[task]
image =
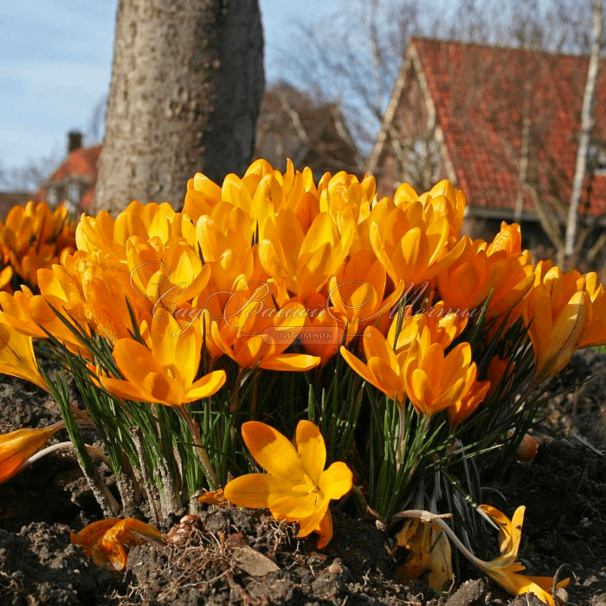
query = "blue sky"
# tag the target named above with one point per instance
(56, 65)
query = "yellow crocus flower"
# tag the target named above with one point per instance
(384, 367)
(165, 372)
(303, 261)
(296, 486)
(557, 311)
(435, 380)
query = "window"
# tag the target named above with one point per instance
(52, 197)
(73, 194)
(423, 168)
(596, 158)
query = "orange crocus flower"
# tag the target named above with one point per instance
(557, 311)
(296, 488)
(165, 372)
(303, 261)
(108, 541)
(468, 281)
(384, 367)
(18, 446)
(435, 380)
(465, 407)
(409, 241)
(255, 332)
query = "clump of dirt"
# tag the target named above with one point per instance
(576, 406)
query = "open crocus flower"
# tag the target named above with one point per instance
(387, 359)
(164, 373)
(255, 332)
(435, 380)
(303, 261)
(296, 488)
(504, 569)
(411, 242)
(384, 366)
(18, 446)
(357, 293)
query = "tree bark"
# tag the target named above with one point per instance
(587, 121)
(187, 82)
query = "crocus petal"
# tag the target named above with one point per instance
(311, 448)
(385, 377)
(325, 530)
(336, 481)
(359, 367)
(125, 390)
(293, 362)
(134, 360)
(274, 452)
(253, 490)
(206, 386)
(518, 584)
(294, 508)
(17, 356)
(376, 346)
(313, 522)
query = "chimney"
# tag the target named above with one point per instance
(74, 141)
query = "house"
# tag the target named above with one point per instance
(502, 124)
(290, 125)
(73, 183)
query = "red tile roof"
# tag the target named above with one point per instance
(80, 164)
(479, 94)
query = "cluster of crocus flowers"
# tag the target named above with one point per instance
(32, 236)
(184, 326)
(412, 363)
(330, 257)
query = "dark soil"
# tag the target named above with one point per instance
(233, 556)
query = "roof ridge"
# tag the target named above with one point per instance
(497, 46)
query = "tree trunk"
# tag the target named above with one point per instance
(585, 136)
(187, 81)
